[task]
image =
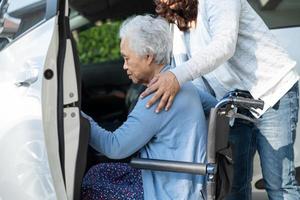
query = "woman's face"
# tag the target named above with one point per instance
(137, 68)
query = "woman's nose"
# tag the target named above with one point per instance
(125, 66)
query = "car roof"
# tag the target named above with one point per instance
(95, 10)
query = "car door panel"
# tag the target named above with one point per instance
(70, 79)
(50, 114)
(71, 130)
(24, 168)
(66, 104)
(40, 80)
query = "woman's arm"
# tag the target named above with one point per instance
(135, 133)
(223, 25)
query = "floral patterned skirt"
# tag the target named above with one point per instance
(112, 181)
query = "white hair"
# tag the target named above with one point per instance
(147, 35)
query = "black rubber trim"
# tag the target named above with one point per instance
(81, 161)
(60, 67)
(82, 151)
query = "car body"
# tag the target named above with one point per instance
(32, 104)
(43, 138)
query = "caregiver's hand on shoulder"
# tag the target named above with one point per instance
(165, 86)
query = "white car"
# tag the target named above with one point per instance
(43, 138)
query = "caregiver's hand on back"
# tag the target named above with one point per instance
(165, 86)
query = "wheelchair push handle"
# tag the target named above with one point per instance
(241, 102)
(250, 103)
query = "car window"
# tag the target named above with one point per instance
(17, 16)
(278, 13)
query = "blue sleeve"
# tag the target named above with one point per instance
(141, 125)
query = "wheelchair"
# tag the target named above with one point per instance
(218, 169)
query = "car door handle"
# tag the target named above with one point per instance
(28, 74)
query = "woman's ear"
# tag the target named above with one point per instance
(150, 59)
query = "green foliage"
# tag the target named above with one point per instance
(99, 43)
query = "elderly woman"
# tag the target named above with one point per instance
(179, 134)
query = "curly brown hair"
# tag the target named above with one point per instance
(184, 12)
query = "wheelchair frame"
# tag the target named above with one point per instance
(218, 128)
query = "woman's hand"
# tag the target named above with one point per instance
(166, 87)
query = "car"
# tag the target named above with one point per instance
(43, 138)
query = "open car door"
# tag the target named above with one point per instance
(40, 121)
(66, 132)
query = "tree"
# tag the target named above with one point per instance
(99, 43)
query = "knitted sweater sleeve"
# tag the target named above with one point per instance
(223, 25)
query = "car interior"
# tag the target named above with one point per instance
(107, 94)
